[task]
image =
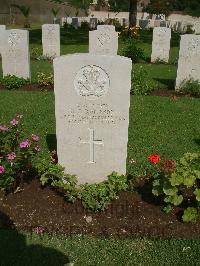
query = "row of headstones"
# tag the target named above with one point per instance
(104, 41)
(76, 22)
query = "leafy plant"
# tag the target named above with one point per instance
(191, 87)
(44, 79)
(132, 50)
(95, 197)
(141, 83)
(12, 82)
(178, 183)
(55, 11)
(25, 12)
(53, 174)
(35, 53)
(16, 154)
(190, 29)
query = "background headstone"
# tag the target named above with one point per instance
(161, 44)
(143, 23)
(197, 27)
(2, 32)
(15, 53)
(93, 23)
(92, 99)
(106, 27)
(75, 23)
(163, 23)
(189, 58)
(51, 40)
(103, 42)
(157, 23)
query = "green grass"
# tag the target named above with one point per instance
(19, 249)
(157, 124)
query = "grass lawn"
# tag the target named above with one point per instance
(157, 125)
(18, 249)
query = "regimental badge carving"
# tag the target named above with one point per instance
(103, 39)
(13, 39)
(92, 82)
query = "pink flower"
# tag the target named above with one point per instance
(37, 148)
(3, 128)
(14, 122)
(2, 170)
(25, 144)
(35, 137)
(11, 156)
(39, 230)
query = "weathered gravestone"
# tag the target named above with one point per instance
(92, 99)
(161, 44)
(106, 28)
(2, 32)
(15, 53)
(103, 42)
(75, 23)
(143, 23)
(51, 40)
(189, 58)
(157, 23)
(197, 27)
(93, 23)
(163, 23)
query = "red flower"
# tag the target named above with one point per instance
(154, 158)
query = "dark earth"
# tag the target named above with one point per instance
(133, 214)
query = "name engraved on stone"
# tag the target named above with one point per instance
(13, 39)
(89, 113)
(92, 142)
(91, 82)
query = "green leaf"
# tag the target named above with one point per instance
(167, 208)
(168, 189)
(197, 194)
(189, 181)
(190, 214)
(175, 200)
(176, 179)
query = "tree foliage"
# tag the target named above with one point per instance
(191, 7)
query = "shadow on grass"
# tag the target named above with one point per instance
(169, 83)
(15, 251)
(197, 141)
(35, 36)
(51, 142)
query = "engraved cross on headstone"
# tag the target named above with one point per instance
(92, 142)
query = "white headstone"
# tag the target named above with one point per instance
(161, 44)
(92, 99)
(51, 40)
(103, 42)
(197, 27)
(106, 27)
(189, 58)
(75, 23)
(15, 53)
(2, 32)
(93, 23)
(69, 20)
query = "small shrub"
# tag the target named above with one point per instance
(44, 79)
(141, 83)
(36, 52)
(16, 154)
(190, 29)
(12, 82)
(95, 197)
(85, 25)
(178, 184)
(130, 32)
(191, 87)
(132, 50)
